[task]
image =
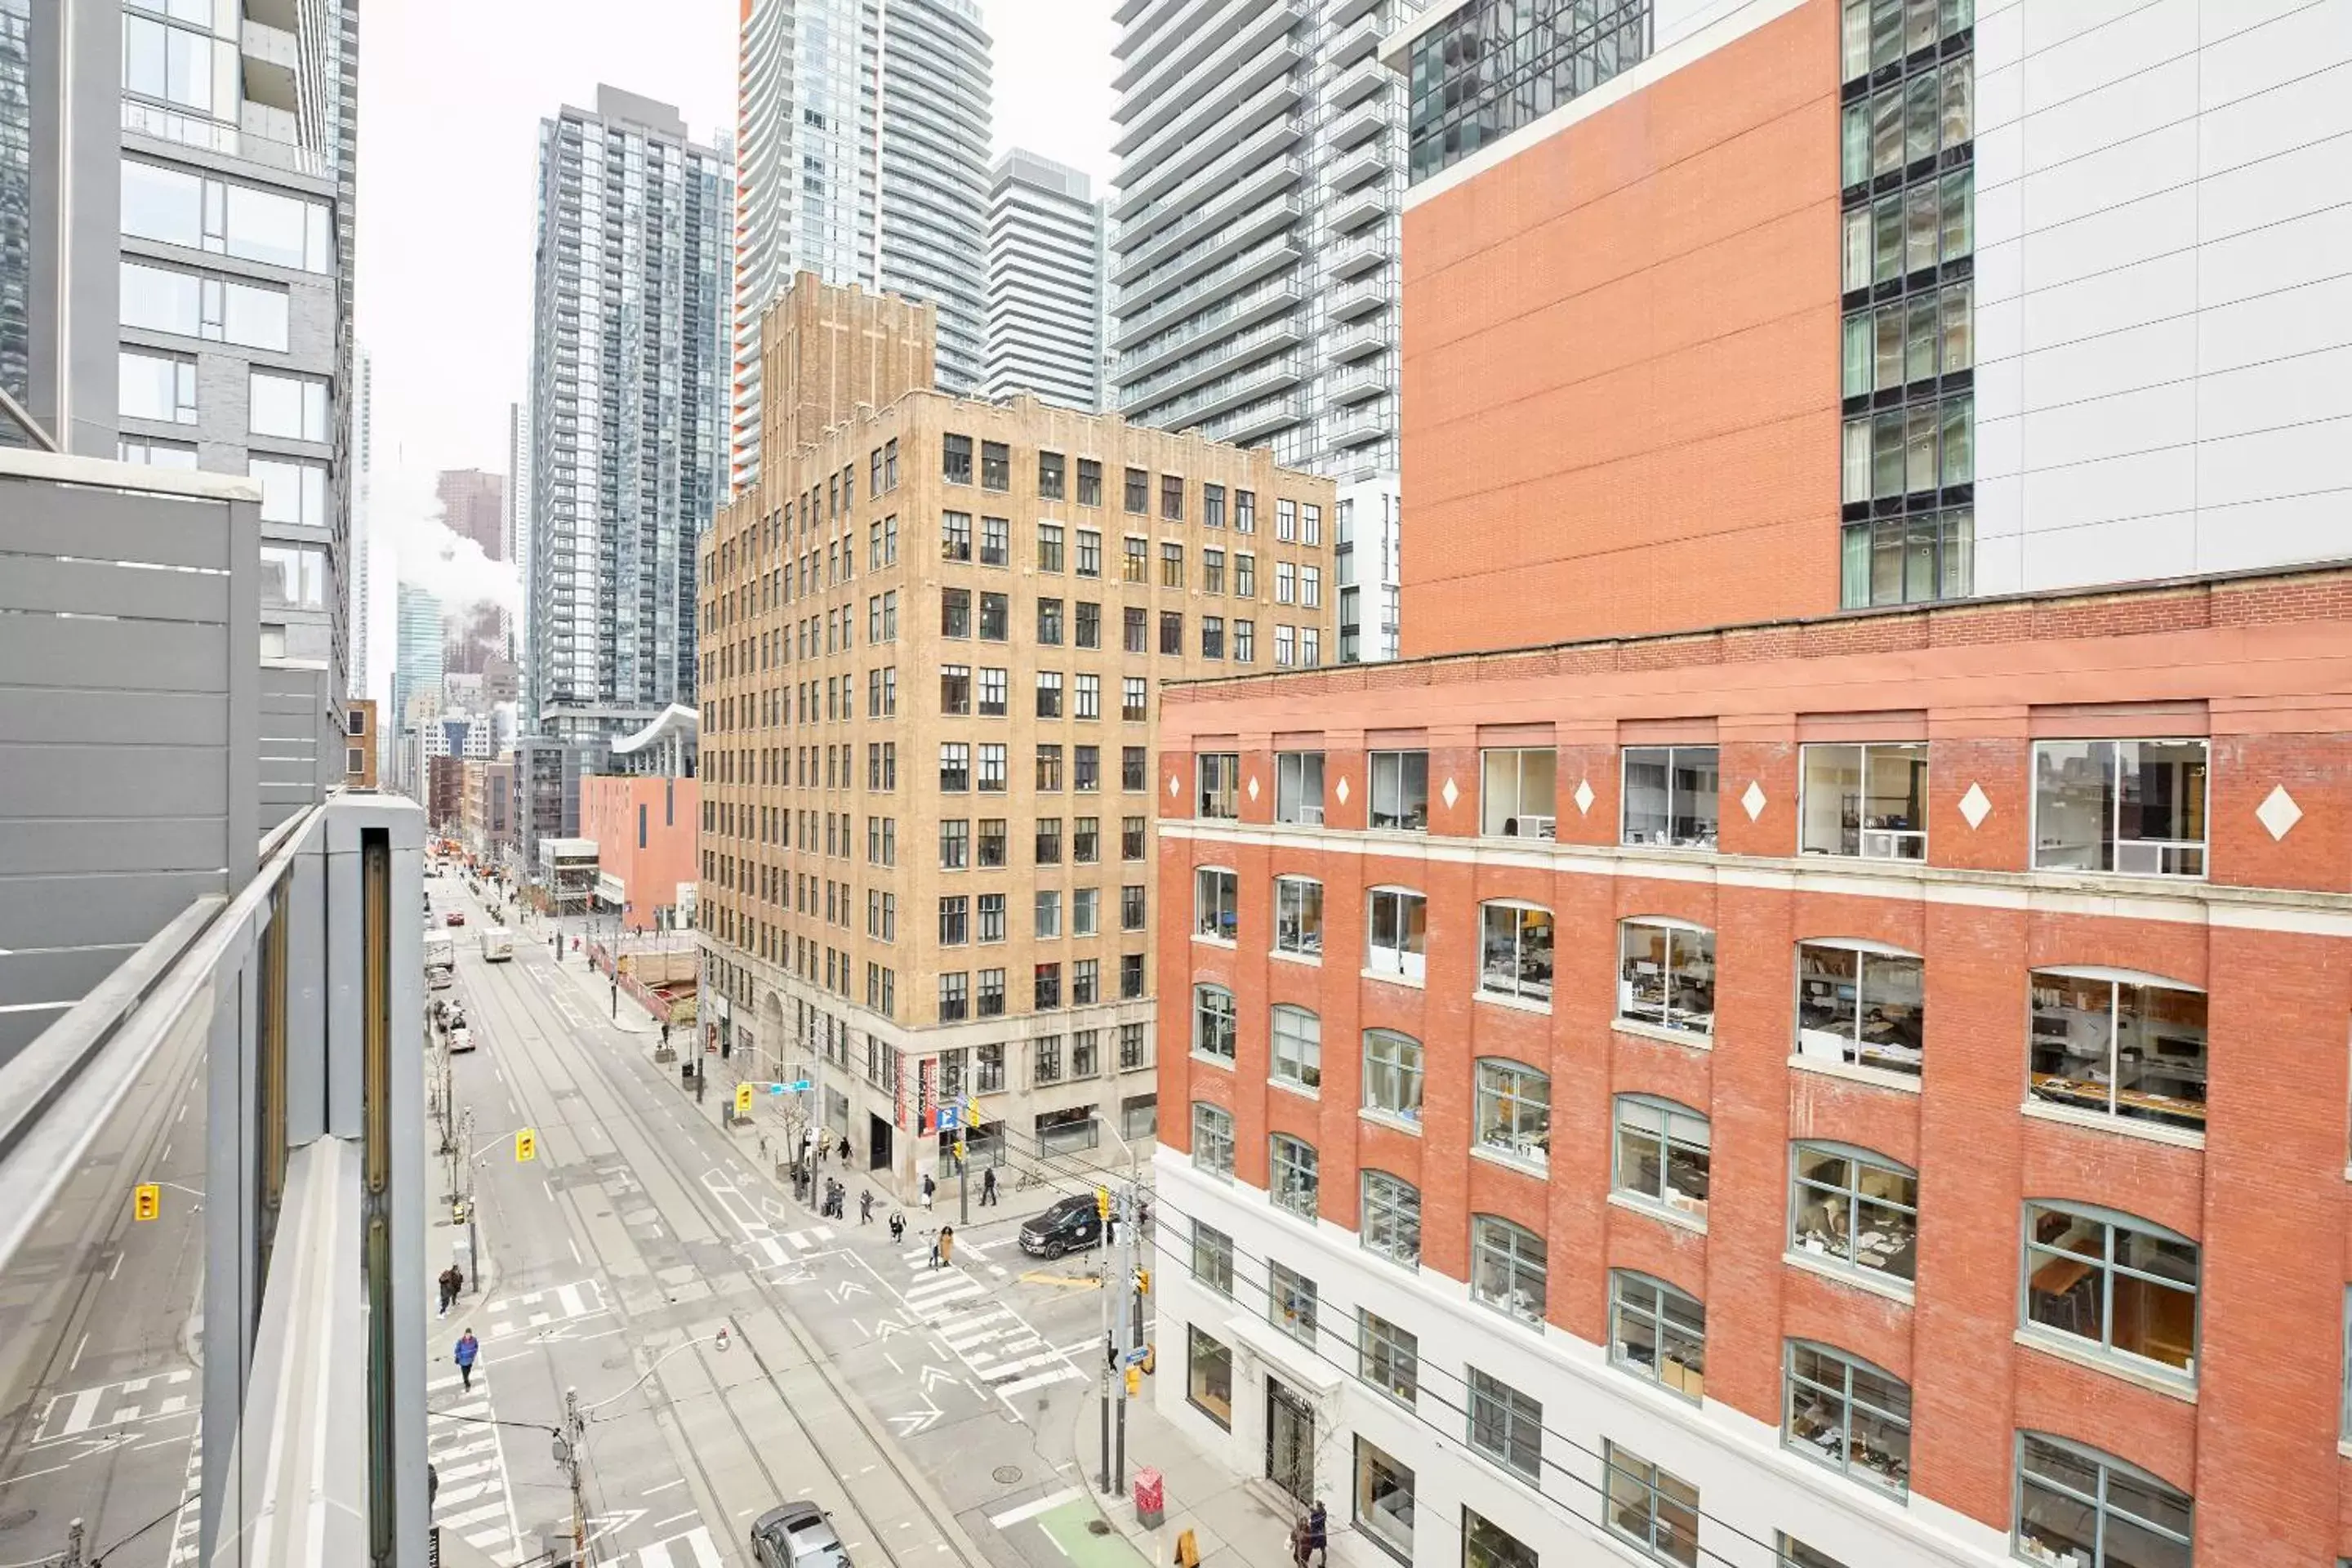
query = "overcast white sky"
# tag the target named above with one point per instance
(451, 94)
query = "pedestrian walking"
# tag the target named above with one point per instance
(935, 1249)
(988, 1186)
(452, 1281)
(1299, 1547)
(930, 1186)
(865, 1206)
(947, 1246)
(844, 1153)
(1318, 1534)
(469, 1347)
(898, 1226)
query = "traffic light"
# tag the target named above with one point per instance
(1143, 1281)
(1134, 1381)
(146, 1201)
(526, 1146)
(958, 1147)
(1102, 1202)
(743, 1099)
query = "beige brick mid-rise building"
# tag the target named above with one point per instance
(931, 638)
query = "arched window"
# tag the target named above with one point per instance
(1391, 1225)
(1298, 1047)
(1843, 1411)
(1507, 1267)
(2123, 1284)
(1663, 1153)
(2083, 1509)
(1213, 1022)
(1657, 1333)
(1513, 1110)
(1212, 1139)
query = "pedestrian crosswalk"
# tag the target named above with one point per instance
(469, 1465)
(993, 1341)
(775, 1251)
(188, 1528)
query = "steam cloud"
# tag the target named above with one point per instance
(443, 562)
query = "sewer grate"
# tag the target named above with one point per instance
(1005, 1474)
(19, 1519)
(1097, 1527)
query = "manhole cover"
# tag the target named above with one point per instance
(19, 1519)
(1006, 1475)
(1097, 1527)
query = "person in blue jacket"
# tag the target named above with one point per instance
(469, 1347)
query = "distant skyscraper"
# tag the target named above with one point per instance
(628, 449)
(518, 524)
(362, 460)
(416, 658)
(1255, 265)
(1046, 326)
(473, 503)
(863, 129)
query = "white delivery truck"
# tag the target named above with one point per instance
(497, 944)
(440, 960)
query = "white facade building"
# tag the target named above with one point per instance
(862, 132)
(1255, 250)
(1046, 326)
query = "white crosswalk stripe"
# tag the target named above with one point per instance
(188, 1528)
(115, 1404)
(474, 1500)
(538, 1308)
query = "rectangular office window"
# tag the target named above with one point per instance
(1171, 632)
(1865, 801)
(995, 617)
(1663, 1152)
(996, 466)
(1390, 1221)
(1290, 1302)
(1505, 1426)
(1400, 791)
(955, 767)
(1135, 562)
(1384, 1492)
(1392, 1075)
(1244, 642)
(2132, 807)
(1515, 797)
(1212, 1258)
(995, 540)
(955, 689)
(1655, 1509)
(993, 684)
(955, 991)
(1299, 787)
(1218, 785)
(955, 460)
(1049, 547)
(1213, 1022)
(1134, 700)
(1298, 1050)
(160, 386)
(1514, 951)
(1509, 1268)
(1670, 797)
(1089, 553)
(1138, 491)
(1089, 482)
(291, 491)
(1049, 476)
(1209, 1369)
(955, 612)
(2113, 1282)
(1172, 497)
(1049, 623)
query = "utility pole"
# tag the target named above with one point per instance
(1111, 1338)
(568, 1447)
(1127, 1207)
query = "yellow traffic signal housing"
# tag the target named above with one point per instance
(742, 1099)
(1134, 1381)
(1102, 1202)
(526, 1146)
(1143, 1281)
(146, 1201)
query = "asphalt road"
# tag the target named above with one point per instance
(919, 1406)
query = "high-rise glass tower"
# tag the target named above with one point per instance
(1253, 251)
(1044, 282)
(862, 142)
(628, 431)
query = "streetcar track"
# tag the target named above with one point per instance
(507, 1000)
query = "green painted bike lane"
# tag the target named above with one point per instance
(1066, 1527)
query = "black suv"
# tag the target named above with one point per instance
(1070, 1224)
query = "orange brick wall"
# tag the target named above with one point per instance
(1621, 362)
(2264, 667)
(608, 814)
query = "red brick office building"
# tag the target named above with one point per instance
(1683, 1072)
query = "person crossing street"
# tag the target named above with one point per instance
(468, 1348)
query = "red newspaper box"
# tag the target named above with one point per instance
(1149, 1497)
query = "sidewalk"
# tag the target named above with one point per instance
(630, 1018)
(1234, 1522)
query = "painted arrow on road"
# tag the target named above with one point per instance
(885, 1327)
(845, 1290)
(935, 1375)
(915, 1421)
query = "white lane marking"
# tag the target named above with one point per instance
(575, 1252)
(83, 1412)
(673, 1519)
(78, 1350)
(116, 1269)
(665, 1486)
